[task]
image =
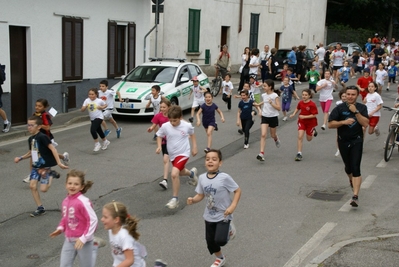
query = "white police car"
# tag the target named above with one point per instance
(172, 75)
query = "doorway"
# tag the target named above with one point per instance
(224, 37)
(18, 74)
(277, 40)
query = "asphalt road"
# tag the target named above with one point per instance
(277, 223)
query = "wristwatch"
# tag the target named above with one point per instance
(356, 112)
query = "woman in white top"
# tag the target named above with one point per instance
(244, 69)
(270, 111)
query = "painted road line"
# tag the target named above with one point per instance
(382, 164)
(314, 242)
(346, 207)
(369, 180)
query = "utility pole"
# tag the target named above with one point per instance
(157, 8)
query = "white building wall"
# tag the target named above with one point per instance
(44, 39)
(300, 22)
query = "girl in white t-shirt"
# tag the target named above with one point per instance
(123, 236)
(373, 103)
(270, 111)
(380, 74)
(95, 106)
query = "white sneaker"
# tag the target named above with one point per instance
(173, 203)
(323, 127)
(163, 184)
(246, 146)
(299, 82)
(27, 179)
(97, 147)
(285, 118)
(194, 180)
(337, 153)
(7, 127)
(377, 131)
(105, 144)
(66, 158)
(219, 262)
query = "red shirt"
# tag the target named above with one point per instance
(363, 82)
(308, 108)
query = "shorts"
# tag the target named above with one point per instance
(325, 106)
(164, 149)
(206, 124)
(41, 174)
(380, 83)
(285, 106)
(107, 114)
(336, 67)
(312, 86)
(373, 121)
(271, 121)
(391, 79)
(180, 162)
(197, 102)
(344, 80)
(306, 126)
(1, 92)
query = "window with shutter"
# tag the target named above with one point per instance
(72, 48)
(253, 31)
(194, 21)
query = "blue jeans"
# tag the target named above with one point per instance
(85, 254)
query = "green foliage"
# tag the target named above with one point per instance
(346, 34)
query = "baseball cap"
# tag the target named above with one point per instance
(195, 78)
(366, 70)
(252, 76)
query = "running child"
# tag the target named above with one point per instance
(108, 96)
(283, 73)
(380, 74)
(326, 88)
(244, 115)
(198, 98)
(287, 91)
(344, 74)
(78, 222)
(392, 72)
(227, 86)
(158, 120)
(40, 111)
(363, 82)
(215, 187)
(246, 87)
(307, 120)
(208, 118)
(270, 111)
(342, 99)
(373, 102)
(313, 76)
(123, 236)
(43, 155)
(95, 106)
(178, 147)
(155, 100)
(292, 78)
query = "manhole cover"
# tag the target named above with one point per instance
(33, 256)
(325, 196)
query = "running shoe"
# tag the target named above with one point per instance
(173, 203)
(216, 127)
(355, 201)
(315, 133)
(97, 147)
(337, 153)
(240, 131)
(285, 118)
(206, 150)
(193, 180)
(160, 263)
(38, 212)
(377, 131)
(7, 127)
(278, 143)
(323, 127)
(163, 184)
(219, 262)
(54, 174)
(191, 119)
(26, 179)
(107, 132)
(260, 157)
(105, 144)
(118, 132)
(66, 158)
(246, 146)
(298, 157)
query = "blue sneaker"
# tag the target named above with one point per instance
(107, 132)
(118, 132)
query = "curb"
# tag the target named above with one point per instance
(334, 248)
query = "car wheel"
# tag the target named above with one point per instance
(174, 101)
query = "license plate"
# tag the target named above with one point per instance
(126, 105)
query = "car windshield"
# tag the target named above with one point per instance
(150, 74)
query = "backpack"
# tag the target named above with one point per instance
(2, 73)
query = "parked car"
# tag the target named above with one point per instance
(349, 47)
(282, 55)
(172, 75)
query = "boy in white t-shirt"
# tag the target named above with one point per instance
(177, 132)
(108, 95)
(198, 99)
(227, 86)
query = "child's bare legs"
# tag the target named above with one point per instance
(263, 135)
(3, 114)
(325, 118)
(175, 174)
(379, 89)
(165, 166)
(113, 122)
(371, 130)
(301, 133)
(209, 131)
(192, 112)
(273, 133)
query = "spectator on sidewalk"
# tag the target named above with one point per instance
(3, 115)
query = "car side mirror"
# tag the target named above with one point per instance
(184, 80)
(123, 77)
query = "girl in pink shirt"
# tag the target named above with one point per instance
(78, 222)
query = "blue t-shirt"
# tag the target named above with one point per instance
(208, 113)
(286, 93)
(392, 71)
(344, 73)
(246, 109)
(291, 57)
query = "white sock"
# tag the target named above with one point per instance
(6, 122)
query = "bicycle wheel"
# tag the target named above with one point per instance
(390, 143)
(215, 88)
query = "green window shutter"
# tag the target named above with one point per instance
(194, 21)
(254, 30)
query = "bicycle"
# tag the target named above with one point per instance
(217, 82)
(392, 135)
